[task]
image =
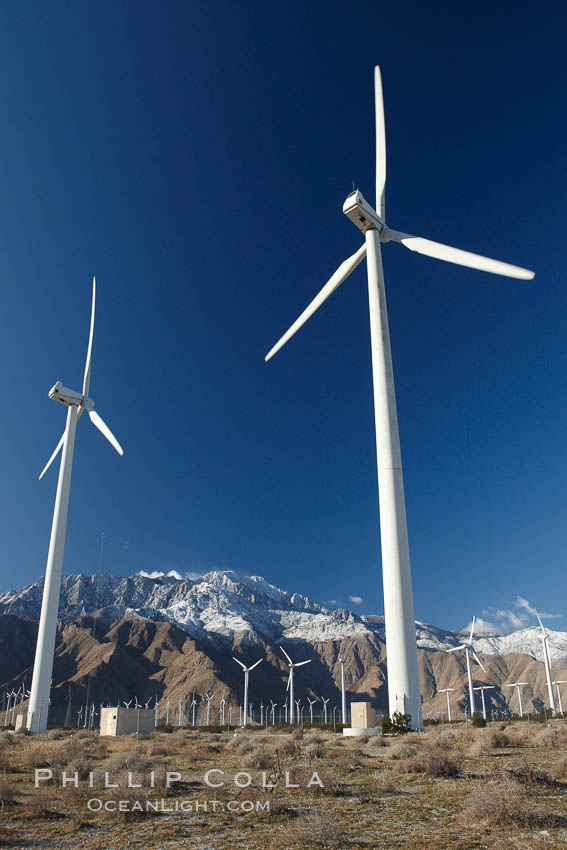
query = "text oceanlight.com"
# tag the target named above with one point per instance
(172, 805)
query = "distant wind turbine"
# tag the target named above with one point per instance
(557, 683)
(482, 689)
(447, 691)
(468, 647)
(76, 403)
(289, 687)
(518, 686)
(403, 675)
(246, 674)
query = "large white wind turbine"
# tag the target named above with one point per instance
(76, 403)
(468, 647)
(544, 642)
(403, 677)
(289, 687)
(246, 673)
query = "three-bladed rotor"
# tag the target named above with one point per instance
(365, 217)
(81, 400)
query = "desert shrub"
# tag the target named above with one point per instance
(445, 739)
(497, 740)
(330, 784)
(545, 738)
(125, 760)
(504, 802)
(243, 744)
(82, 766)
(401, 750)
(38, 804)
(83, 733)
(351, 759)
(37, 755)
(528, 774)
(160, 747)
(478, 721)
(261, 758)
(430, 763)
(297, 734)
(315, 830)
(288, 748)
(397, 724)
(377, 741)
(6, 791)
(559, 769)
(165, 728)
(55, 734)
(478, 748)
(315, 750)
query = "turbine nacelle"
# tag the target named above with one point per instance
(361, 213)
(66, 396)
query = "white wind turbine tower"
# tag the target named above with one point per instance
(468, 647)
(246, 672)
(403, 676)
(289, 687)
(76, 403)
(447, 691)
(518, 686)
(325, 701)
(544, 642)
(343, 692)
(558, 682)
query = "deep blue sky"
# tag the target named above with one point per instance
(195, 156)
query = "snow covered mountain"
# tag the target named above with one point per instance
(225, 606)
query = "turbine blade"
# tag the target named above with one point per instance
(105, 431)
(255, 665)
(286, 655)
(478, 661)
(380, 144)
(58, 448)
(456, 648)
(87, 375)
(288, 682)
(239, 662)
(301, 663)
(461, 258)
(344, 270)
(541, 624)
(472, 629)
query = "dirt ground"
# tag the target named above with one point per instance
(451, 787)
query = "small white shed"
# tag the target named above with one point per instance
(127, 721)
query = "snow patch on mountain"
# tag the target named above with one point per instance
(224, 605)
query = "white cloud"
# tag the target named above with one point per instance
(481, 626)
(357, 600)
(520, 615)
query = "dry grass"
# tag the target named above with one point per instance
(315, 830)
(431, 763)
(412, 801)
(504, 802)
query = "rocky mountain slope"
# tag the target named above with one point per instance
(168, 637)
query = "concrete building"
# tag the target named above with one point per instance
(127, 721)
